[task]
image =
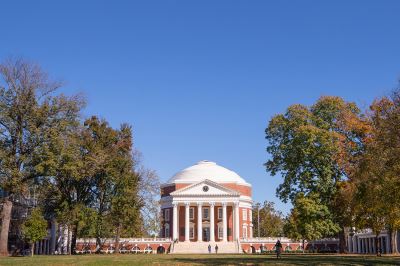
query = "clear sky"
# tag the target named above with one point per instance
(199, 80)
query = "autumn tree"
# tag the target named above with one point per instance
(29, 109)
(377, 179)
(315, 149)
(268, 219)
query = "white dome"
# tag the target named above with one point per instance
(207, 170)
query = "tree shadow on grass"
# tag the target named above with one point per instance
(290, 260)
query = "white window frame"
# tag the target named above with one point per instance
(250, 215)
(206, 217)
(244, 231)
(166, 231)
(191, 213)
(220, 231)
(166, 215)
(244, 214)
(191, 232)
(220, 213)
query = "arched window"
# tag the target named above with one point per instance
(263, 249)
(288, 248)
(160, 250)
(148, 250)
(135, 250)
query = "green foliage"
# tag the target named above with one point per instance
(309, 219)
(271, 220)
(315, 149)
(35, 227)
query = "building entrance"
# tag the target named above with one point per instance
(206, 234)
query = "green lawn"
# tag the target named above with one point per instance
(201, 260)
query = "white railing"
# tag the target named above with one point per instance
(130, 240)
(266, 240)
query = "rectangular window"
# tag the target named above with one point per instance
(206, 213)
(191, 232)
(166, 215)
(244, 212)
(191, 213)
(220, 232)
(219, 213)
(167, 231)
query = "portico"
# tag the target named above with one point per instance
(210, 224)
(206, 203)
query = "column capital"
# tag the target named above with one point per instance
(212, 204)
(187, 204)
(174, 204)
(224, 204)
(236, 204)
(199, 204)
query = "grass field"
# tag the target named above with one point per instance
(201, 260)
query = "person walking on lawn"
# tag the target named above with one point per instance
(278, 249)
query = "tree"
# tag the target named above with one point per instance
(271, 220)
(149, 193)
(315, 149)
(125, 201)
(29, 109)
(34, 228)
(309, 219)
(377, 179)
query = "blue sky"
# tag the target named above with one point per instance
(201, 79)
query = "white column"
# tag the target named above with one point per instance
(251, 231)
(53, 236)
(36, 248)
(349, 244)
(187, 206)
(387, 242)
(224, 223)
(237, 221)
(212, 224)
(373, 245)
(199, 223)
(175, 221)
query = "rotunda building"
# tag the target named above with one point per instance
(206, 203)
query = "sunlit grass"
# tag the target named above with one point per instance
(201, 260)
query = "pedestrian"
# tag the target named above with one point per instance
(216, 249)
(278, 249)
(209, 248)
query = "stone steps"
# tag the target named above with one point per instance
(202, 247)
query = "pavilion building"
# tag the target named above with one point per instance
(206, 203)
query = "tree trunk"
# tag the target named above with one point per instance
(304, 248)
(117, 236)
(5, 226)
(342, 241)
(393, 241)
(377, 245)
(98, 245)
(32, 248)
(74, 236)
(68, 240)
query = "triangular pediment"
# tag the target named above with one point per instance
(205, 188)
